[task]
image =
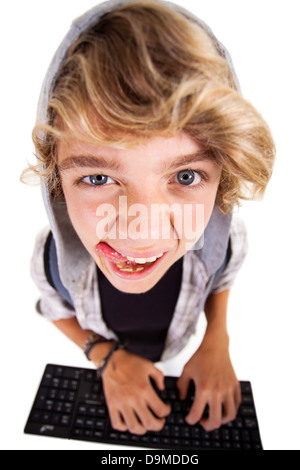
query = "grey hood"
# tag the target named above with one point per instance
(72, 256)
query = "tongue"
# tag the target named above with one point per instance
(105, 250)
(108, 252)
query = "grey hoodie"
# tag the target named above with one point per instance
(77, 269)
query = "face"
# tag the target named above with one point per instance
(137, 210)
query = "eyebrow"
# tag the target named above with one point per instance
(187, 160)
(87, 161)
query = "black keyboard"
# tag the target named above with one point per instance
(70, 404)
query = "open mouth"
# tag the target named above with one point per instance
(136, 264)
(124, 264)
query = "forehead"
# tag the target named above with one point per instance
(159, 152)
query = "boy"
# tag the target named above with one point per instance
(145, 146)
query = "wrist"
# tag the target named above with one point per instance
(99, 352)
(216, 336)
(116, 346)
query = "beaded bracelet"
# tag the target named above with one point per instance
(89, 341)
(90, 344)
(116, 346)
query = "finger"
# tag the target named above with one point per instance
(238, 395)
(156, 405)
(183, 384)
(197, 408)
(229, 408)
(116, 420)
(214, 419)
(147, 418)
(133, 423)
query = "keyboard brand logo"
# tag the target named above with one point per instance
(46, 428)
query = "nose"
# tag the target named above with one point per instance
(145, 217)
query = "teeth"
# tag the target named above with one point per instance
(124, 265)
(129, 269)
(144, 260)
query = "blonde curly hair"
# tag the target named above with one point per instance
(145, 69)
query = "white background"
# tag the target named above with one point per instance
(263, 38)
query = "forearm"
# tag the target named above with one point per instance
(71, 328)
(216, 315)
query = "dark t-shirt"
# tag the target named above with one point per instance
(142, 320)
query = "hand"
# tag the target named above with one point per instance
(215, 385)
(132, 401)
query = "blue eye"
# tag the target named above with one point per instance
(97, 180)
(188, 177)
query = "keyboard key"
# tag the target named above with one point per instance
(72, 374)
(100, 424)
(65, 420)
(247, 411)
(250, 423)
(35, 416)
(98, 435)
(80, 422)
